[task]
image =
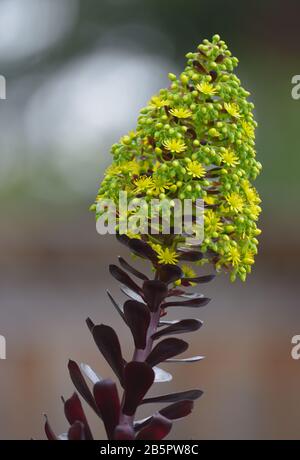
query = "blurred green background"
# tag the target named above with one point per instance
(77, 73)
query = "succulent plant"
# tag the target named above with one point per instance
(144, 315)
(194, 140)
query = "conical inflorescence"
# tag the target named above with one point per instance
(195, 139)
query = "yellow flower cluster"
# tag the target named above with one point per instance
(196, 139)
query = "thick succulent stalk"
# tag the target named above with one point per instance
(142, 313)
(140, 355)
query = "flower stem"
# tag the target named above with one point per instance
(141, 355)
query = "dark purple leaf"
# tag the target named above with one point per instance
(117, 307)
(213, 75)
(220, 58)
(80, 385)
(123, 239)
(107, 400)
(177, 410)
(211, 254)
(169, 273)
(215, 169)
(51, 436)
(142, 249)
(90, 324)
(76, 432)
(74, 413)
(108, 343)
(200, 279)
(194, 303)
(190, 255)
(191, 133)
(138, 378)
(175, 292)
(124, 433)
(158, 428)
(138, 318)
(121, 276)
(132, 270)
(199, 67)
(154, 293)
(190, 395)
(180, 327)
(165, 349)
(213, 191)
(208, 255)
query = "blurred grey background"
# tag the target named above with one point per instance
(77, 73)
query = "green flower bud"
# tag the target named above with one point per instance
(184, 79)
(172, 77)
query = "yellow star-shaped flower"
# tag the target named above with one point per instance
(235, 202)
(181, 112)
(174, 145)
(142, 184)
(166, 256)
(229, 158)
(232, 109)
(158, 102)
(206, 88)
(195, 169)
